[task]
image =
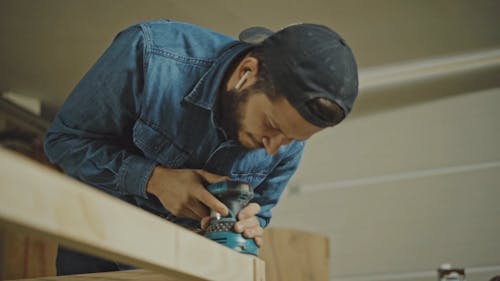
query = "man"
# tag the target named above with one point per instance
(171, 107)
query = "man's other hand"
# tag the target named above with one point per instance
(247, 224)
(182, 192)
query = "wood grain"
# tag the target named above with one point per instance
(25, 255)
(295, 255)
(38, 199)
(127, 275)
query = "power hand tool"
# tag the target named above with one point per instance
(235, 195)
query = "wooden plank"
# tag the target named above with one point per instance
(126, 275)
(29, 256)
(295, 255)
(259, 270)
(25, 255)
(39, 199)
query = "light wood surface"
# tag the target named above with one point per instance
(38, 199)
(24, 255)
(295, 255)
(290, 254)
(127, 275)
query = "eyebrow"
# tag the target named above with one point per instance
(273, 124)
(254, 140)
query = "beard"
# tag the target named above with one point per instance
(230, 111)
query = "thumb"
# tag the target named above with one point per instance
(211, 178)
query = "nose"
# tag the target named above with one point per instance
(272, 144)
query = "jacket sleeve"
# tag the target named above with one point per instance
(90, 138)
(268, 193)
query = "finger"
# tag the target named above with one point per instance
(181, 211)
(211, 178)
(204, 222)
(241, 225)
(249, 211)
(253, 232)
(187, 213)
(198, 208)
(211, 201)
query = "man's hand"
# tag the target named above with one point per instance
(247, 224)
(181, 191)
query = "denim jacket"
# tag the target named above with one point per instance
(149, 100)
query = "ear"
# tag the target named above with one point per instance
(248, 66)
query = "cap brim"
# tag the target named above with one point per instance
(255, 34)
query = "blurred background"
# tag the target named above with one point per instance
(409, 181)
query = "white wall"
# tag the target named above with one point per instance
(408, 189)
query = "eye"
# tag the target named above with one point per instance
(270, 125)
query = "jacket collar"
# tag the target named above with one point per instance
(206, 90)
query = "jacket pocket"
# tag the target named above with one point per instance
(253, 179)
(158, 146)
(253, 168)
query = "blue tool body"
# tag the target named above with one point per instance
(235, 195)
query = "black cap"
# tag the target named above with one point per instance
(308, 61)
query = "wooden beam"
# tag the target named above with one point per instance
(398, 85)
(126, 275)
(378, 79)
(39, 199)
(295, 255)
(25, 255)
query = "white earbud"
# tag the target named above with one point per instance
(242, 80)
